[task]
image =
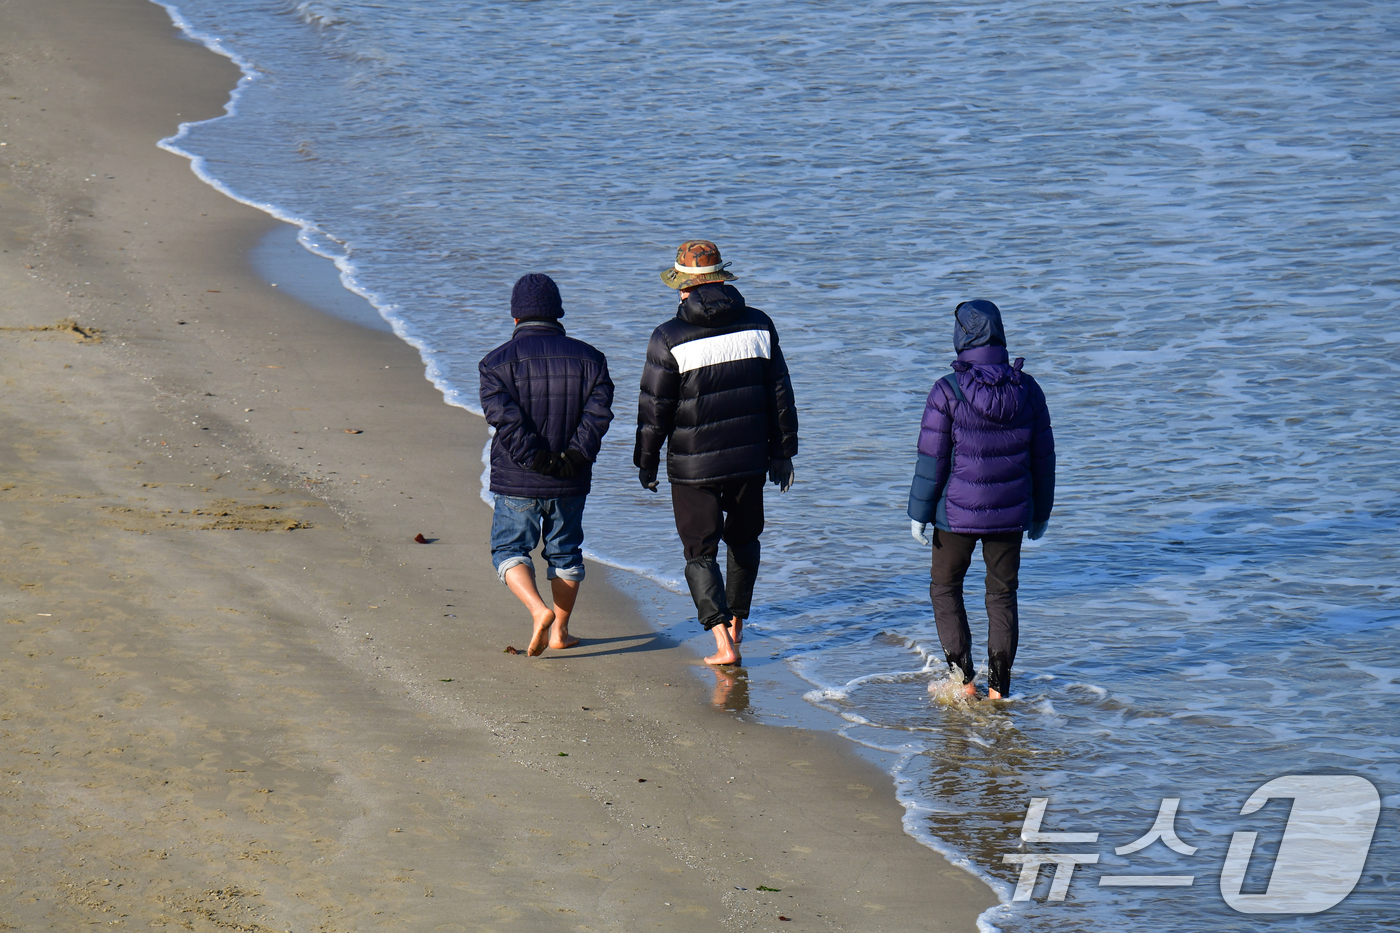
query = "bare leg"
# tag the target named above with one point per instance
(736, 630)
(565, 592)
(521, 580)
(725, 652)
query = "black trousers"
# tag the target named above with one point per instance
(952, 556)
(731, 512)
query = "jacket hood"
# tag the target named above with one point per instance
(977, 323)
(993, 387)
(714, 304)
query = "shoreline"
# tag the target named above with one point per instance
(210, 723)
(768, 693)
(780, 691)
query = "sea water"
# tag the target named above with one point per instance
(1187, 212)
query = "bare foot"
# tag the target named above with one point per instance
(521, 580)
(544, 618)
(969, 690)
(726, 653)
(736, 630)
(565, 593)
(559, 637)
(993, 694)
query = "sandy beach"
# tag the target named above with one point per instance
(236, 694)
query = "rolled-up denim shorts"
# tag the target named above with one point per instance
(516, 529)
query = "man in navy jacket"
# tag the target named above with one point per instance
(715, 391)
(550, 400)
(986, 471)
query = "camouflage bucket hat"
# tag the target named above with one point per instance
(697, 262)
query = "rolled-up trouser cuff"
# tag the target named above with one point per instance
(574, 574)
(510, 562)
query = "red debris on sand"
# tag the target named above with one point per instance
(420, 539)
(353, 431)
(511, 649)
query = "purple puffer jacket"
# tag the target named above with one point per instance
(986, 461)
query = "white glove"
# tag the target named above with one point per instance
(917, 530)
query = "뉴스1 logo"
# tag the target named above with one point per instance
(1319, 862)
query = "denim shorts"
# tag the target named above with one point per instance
(516, 527)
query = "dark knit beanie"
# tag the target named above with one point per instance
(535, 296)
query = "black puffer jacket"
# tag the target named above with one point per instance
(715, 386)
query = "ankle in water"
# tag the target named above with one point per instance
(999, 675)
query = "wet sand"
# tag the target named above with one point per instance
(235, 693)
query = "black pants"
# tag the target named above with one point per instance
(731, 512)
(952, 555)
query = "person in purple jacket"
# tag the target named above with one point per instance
(549, 398)
(986, 472)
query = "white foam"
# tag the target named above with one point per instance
(312, 236)
(1204, 383)
(915, 820)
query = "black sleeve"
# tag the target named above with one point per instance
(782, 406)
(656, 405)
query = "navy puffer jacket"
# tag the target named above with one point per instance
(546, 391)
(986, 460)
(715, 391)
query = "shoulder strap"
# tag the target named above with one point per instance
(952, 380)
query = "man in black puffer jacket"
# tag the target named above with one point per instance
(550, 400)
(716, 392)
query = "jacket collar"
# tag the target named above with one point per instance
(989, 354)
(537, 322)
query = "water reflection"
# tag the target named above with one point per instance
(1184, 216)
(731, 689)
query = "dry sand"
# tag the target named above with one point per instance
(235, 694)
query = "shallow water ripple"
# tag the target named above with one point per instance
(1187, 213)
